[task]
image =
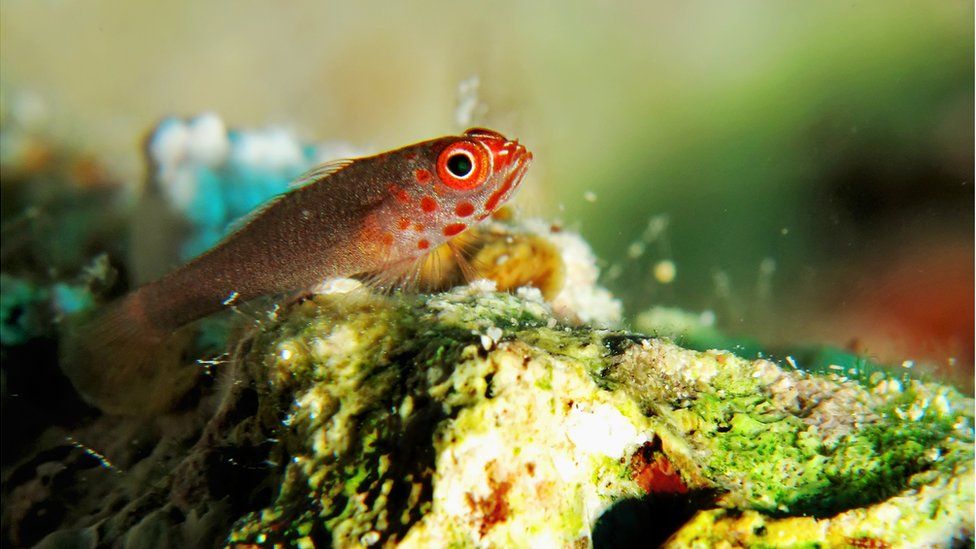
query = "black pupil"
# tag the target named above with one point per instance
(459, 165)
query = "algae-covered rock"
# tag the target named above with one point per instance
(476, 418)
(473, 418)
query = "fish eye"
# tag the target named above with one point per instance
(460, 165)
(464, 165)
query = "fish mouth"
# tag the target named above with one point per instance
(520, 164)
(514, 155)
(516, 160)
(520, 158)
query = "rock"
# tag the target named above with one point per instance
(396, 424)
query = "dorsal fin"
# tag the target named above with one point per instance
(320, 172)
(317, 173)
(243, 220)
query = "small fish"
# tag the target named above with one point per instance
(380, 214)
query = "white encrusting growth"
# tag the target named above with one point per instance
(602, 429)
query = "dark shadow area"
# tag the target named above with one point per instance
(646, 522)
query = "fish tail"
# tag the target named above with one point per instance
(123, 363)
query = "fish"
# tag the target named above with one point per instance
(379, 217)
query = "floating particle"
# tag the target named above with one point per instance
(589, 196)
(469, 108)
(723, 284)
(231, 298)
(635, 250)
(656, 225)
(665, 271)
(784, 231)
(707, 318)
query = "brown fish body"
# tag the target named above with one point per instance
(373, 214)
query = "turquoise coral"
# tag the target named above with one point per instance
(21, 303)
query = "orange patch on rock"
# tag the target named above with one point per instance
(494, 508)
(868, 543)
(653, 472)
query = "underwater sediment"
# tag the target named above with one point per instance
(486, 415)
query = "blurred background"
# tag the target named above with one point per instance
(798, 172)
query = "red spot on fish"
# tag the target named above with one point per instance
(419, 227)
(387, 239)
(399, 193)
(454, 228)
(464, 209)
(428, 204)
(423, 244)
(423, 176)
(404, 223)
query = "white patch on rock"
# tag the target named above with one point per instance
(602, 430)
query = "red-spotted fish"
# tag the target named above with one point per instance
(378, 214)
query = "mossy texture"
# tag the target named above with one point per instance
(474, 418)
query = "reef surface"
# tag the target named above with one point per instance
(512, 411)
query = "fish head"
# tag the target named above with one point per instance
(476, 173)
(447, 185)
(485, 164)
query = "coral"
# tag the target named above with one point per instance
(477, 418)
(935, 514)
(397, 428)
(531, 253)
(20, 310)
(30, 309)
(398, 423)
